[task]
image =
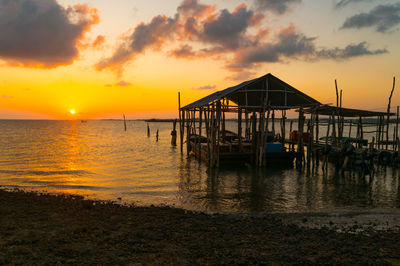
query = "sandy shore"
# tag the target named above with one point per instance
(48, 229)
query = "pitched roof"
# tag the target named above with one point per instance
(253, 94)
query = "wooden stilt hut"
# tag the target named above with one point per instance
(259, 100)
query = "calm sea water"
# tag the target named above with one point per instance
(99, 160)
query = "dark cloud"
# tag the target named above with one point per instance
(288, 43)
(194, 22)
(150, 35)
(207, 87)
(292, 44)
(193, 9)
(382, 17)
(41, 33)
(352, 50)
(344, 3)
(228, 29)
(276, 6)
(184, 51)
(98, 42)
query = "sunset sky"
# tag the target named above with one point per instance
(106, 58)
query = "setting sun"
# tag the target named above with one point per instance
(72, 111)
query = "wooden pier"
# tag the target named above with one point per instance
(259, 108)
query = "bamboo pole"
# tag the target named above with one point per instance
(388, 113)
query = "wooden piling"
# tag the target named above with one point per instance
(388, 113)
(181, 131)
(124, 122)
(240, 128)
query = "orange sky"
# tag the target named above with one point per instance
(132, 57)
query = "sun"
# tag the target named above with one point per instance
(72, 111)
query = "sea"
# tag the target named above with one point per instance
(98, 159)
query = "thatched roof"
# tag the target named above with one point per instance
(259, 93)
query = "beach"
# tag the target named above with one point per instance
(63, 229)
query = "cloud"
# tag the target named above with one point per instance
(276, 6)
(123, 83)
(184, 51)
(291, 44)
(41, 33)
(227, 29)
(343, 3)
(382, 17)
(6, 97)
(144, 36)
(207, 87)
(235, 37)
(98, 42)
(351, 50)
(192, 9)
(193, 22)
(288, 43)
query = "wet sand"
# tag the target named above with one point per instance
(50, 229)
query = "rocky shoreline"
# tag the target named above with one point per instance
(64, 229)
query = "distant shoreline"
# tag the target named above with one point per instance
(51, 229)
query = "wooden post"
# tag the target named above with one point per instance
(213, 136)
(361, 132)
(148, 130)
(247, 131)
(351, 123)
(335, 140)
(173, 134)
(317, 128)
(325, 165)
(388, 113)
(207, 121)
(300, 146)
(181, 131)
(397, 129)
(310, 147)
(200, 127)
(240, 128)
(188, 134)
(223, 120)
(124, 122)
(219, 118)
(283, 130)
